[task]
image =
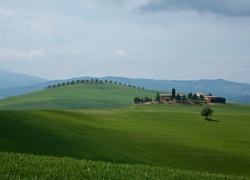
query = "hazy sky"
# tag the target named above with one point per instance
(156, 39)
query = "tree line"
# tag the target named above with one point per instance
(89, 81)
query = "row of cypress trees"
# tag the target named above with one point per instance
(88, 81)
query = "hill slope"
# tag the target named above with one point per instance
(78, 96)
(158, 135)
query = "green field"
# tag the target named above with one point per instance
(78, 96)
(122, 135)
(162, 137)
(21, 166)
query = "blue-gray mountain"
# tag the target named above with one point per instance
(17, 84)
(12, 80)
(11, 83)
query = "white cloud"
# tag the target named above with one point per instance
(6, 12)
(121, 53)
(42, 25)
(10, 53)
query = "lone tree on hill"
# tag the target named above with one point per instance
(207, 111)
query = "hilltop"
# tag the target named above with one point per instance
(77, 96)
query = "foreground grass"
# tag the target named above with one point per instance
(20, 166)
(173, 136)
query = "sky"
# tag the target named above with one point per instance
(155, 39)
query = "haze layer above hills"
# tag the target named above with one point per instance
(12, 84)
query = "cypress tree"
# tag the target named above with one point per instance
(173, 93)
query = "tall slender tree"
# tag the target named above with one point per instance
(173, 93)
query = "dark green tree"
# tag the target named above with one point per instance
(195, 97)
(184, 98)
(173, 93)
(157, 97)
(137, 100)
(201, 97)
(190, 95)
(207, 111)
(178, 97)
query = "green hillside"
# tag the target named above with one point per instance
(78, 96)
(175, 136)
(100, 122)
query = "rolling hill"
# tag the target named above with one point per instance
(78, 96)
(232, 91)
(99, 122)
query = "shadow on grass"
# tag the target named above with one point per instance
(211, 120)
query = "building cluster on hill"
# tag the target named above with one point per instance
(196, 98)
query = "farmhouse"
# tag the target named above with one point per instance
(164, 97)
(209, 98)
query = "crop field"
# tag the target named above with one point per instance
(174, 136)
(21, 166)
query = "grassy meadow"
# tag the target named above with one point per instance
(22, 166)
(78, 96)
(167, 140)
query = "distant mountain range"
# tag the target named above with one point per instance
(10, 80)
(12, 84)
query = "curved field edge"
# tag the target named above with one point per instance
(22, 166)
